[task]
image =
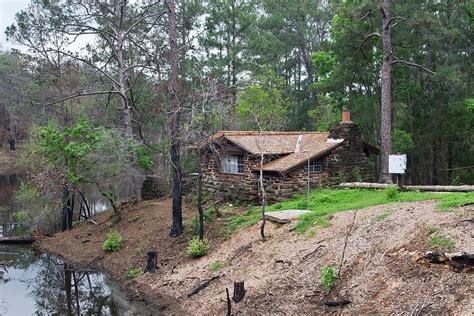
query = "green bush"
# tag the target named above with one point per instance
(113, 242)
(391, 192)
(197, 248)
(441, 242)
(215, 266)
(134, 272)
(328, 277)
(20, 217)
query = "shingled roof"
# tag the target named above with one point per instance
(296, 147)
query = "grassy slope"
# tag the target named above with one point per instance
(324, 202)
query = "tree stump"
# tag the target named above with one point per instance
(239, 291)
(152, 261)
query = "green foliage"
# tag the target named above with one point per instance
(441, 242)
(197, 248)
(134, 273)
(144, 158)
(382, 215)
(402, 141)
(21, 217)
(113, 242)
(328, 277)
(262, 105)
(432, 229)
(208, 218)
(215, 266)
(249, 217)
(391, 192)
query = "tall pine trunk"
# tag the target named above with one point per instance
(386, 111)
(177, 225)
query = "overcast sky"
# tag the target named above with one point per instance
(8, 8)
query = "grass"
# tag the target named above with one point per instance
(215, 266)
(381, 216)
(134, 272)
(432, 229)
(441, 242)
(325, 202)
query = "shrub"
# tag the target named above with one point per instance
(391, 192)
(432, 229)
(134, 272)
(441, 242)
(197, 248)
(113, 242)
(20, 217)
(328, 277)
(215, 266)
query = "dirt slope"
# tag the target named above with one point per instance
(379, 275)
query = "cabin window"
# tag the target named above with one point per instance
(316, 166)
(232, 164)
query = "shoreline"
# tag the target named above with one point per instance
(92, 267)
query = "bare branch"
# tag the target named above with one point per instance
(83, 95)
(368, 37)
(407, 63)
(398, 19)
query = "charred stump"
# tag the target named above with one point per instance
(239, 291)
(152, 261)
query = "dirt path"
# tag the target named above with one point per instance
(379, 275)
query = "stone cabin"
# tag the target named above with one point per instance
(230, 161)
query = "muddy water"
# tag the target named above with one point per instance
(43, 285)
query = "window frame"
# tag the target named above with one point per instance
(316, 166)
(239, 165)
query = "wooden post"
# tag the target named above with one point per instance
(239, 291)
(400, 182)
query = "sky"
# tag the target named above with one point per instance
(8, 8)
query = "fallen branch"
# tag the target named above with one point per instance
(345, 244)
(306, 256)
(92, 221)
(341, 302)
(433, 188)
(203, 286)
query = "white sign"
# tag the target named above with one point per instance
(397, 163)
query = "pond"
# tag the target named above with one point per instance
(41, 284)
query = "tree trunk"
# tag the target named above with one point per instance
(199, 202)
(124, 104)
(177, 225)
(68, 289)
(386, 111)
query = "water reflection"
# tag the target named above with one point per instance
(44, 285)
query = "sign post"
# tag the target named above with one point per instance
(397, 165)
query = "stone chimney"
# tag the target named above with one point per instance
(347, 130)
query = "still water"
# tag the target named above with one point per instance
(41, 284)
